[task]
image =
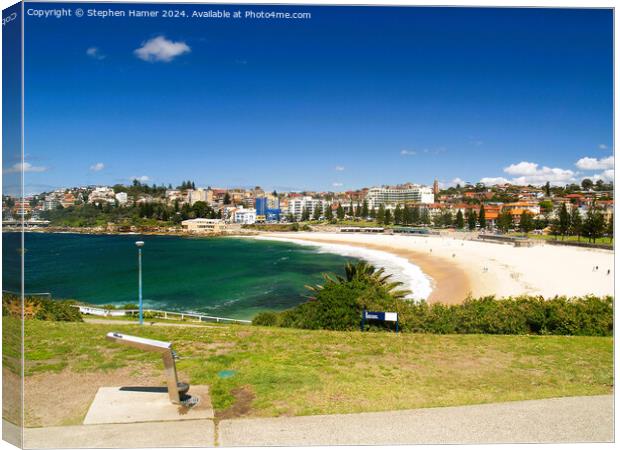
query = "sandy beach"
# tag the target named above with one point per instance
(459, 268)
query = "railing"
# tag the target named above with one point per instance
(95, 311)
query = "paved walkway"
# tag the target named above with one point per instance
(571, 419)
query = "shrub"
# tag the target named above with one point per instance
(40, 308)
(340, 308)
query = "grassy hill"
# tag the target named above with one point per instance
(300, 372)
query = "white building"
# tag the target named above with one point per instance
(102, 194)
(50, 203)
(297, 205)
(244, 216)
(121, 197)
(398, 195)
(196, 195)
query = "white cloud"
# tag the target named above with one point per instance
(339, 168)
(142, 179)
(588, 163)
(97, 167)
(407, 152)
(456, 181)
(523, 168)
(161, 49)
(607, 176)
(95, 53)
(24, 167)
(531, 173)
(336, 184)
(489, 181)
(602, 146)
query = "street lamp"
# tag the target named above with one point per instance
(140, 244)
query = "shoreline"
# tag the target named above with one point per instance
(450, 284)
(462, 268)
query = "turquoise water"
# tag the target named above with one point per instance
(227, 277)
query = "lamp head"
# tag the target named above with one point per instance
(139, 244)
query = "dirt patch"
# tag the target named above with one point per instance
(242, 406)
(11, 396)
(64, 398)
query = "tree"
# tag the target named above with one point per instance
(594, 225)
(227, 198)
(576, 223)
(460, 220)
(406, 215)
(481, 217)
(416, 216)
(446, 218)
(317, 212)
(425, 217)
(398, 215)
(504, 221)
(610, 227)
(586, 184)
(526, 222)
(201, 209)
(548, 189)
(329, 214)
(365, 209)
(358, 210)
(388, 217)
(381, 215)
(362, 272)
(351, 210)
(305, 215)
(563, 221)
(340, 212)
(472, 219)
(546, 206)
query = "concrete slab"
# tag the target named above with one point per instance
(557, 420)
(12, 433)
(131, 404)
(187, 433)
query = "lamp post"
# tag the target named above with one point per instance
(140, 244)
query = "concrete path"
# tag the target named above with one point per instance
(187, 433)
(570, 419)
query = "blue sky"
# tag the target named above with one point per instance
(352, 97)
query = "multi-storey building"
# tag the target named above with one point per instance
(398, 195)
(297, 206)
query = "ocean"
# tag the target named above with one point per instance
(223, 276)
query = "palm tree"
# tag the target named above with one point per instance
(362, 271)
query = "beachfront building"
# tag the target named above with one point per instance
(203, 226)
(399, 195)
(297, 206)
(244, 216)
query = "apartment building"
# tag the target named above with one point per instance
(399, 195)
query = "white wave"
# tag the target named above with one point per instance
(401, 268)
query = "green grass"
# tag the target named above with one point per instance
(299, 372)
(548, 237)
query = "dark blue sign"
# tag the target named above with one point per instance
(374, 315)
(379, 315)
